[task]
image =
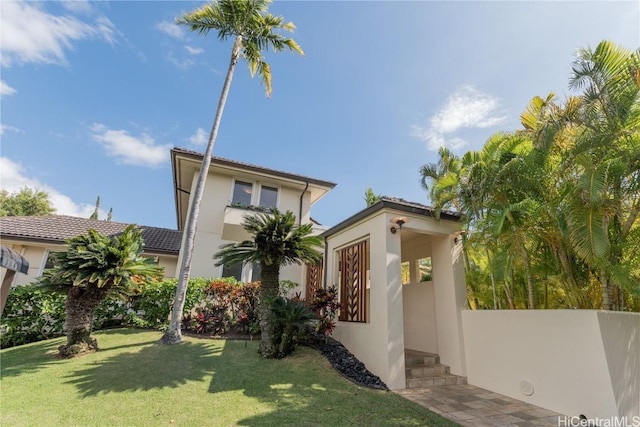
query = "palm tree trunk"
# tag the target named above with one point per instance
(173, 335)
(268, 292)
(79, 310)
(607, 291)
(530, 288)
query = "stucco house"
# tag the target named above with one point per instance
(400, 276)
(233, 190)
(36, 237)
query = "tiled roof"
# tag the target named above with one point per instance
(58, 228)
(447, 214)
(392, 203)
(234, 163)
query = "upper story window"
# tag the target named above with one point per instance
(268, 197)
(242, 193)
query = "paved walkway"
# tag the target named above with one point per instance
(472, 406)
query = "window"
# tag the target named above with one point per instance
(269, 197)
(48, 262)
(424, 269)
(406, 273)
(242, 193)
(256, 271)
(353, 266)
(232, 270)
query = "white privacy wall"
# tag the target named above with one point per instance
(569, 361)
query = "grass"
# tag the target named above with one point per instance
(134, 381)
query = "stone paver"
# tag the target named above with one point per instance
(472, 406)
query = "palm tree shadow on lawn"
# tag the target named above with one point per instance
(138, 371)
(17, 360)
(305, 392)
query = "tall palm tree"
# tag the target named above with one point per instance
(254, 30)
(276, 242)
(605, 201)
(92, 267)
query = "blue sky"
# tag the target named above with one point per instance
(95, 93)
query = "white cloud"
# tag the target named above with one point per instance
(78, 6)
(138, 151)
(199, 138)
(13, 178)
(4, 128)
(466, 108)
(30, 34)
(194, 50)
(5, 89)
(170, 28)
(183, 64)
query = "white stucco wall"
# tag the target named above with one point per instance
(418, 299)
(450, 294)
(379, 343)
(211, 232)
(577, 361)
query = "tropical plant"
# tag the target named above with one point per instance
(254, 30)
(552, 210)
(26, 202)
(370, 197)
(276, 241)
(291, 319)
(93, 267)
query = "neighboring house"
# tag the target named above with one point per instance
(36, 237)
(233, 190)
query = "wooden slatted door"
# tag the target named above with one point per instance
(353, 282)
(314, 280)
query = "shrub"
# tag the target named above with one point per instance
(227, 306)
(212, 306)
(291, 319)
(325, 303)
(31, 314)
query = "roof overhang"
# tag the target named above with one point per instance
(186, 164)
(397, 205)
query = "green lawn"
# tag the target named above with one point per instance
(133, 381)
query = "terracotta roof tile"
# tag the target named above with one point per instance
(58, 228)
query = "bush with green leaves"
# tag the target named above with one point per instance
(33, 313)
(291, 319)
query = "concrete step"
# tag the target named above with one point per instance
(449, 379)
(422, 371)
(425, 370)
(413, 357)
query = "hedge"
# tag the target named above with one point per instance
(211, 306)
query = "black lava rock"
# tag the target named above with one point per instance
(346, 363)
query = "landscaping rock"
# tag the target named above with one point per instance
(346, 363)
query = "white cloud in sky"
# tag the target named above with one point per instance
(199, 138)
(194, 50)
(183, 64)
(131, 150)
(170, 28)
(5, 89)
(13, 177)
(4, 128)
(79, 6)
(31, 35)
(466, 108)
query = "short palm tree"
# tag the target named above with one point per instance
(92, 267)
(254, 31)
(276, 242)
